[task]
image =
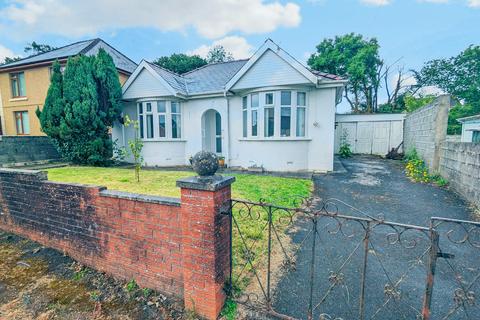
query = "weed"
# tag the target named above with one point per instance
(229, 310)
(131, 286)
(80, 274)
(147, 292)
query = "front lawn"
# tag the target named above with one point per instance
(249, 247)
(276, 190)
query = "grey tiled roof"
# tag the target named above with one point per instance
(87, 47)
(176, 81)
(209, 78)
(212, 77)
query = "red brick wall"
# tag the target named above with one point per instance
(128, 238)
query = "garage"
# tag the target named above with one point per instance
(369, 133)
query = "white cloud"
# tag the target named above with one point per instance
(376, 2)
(435, 1)
(474, 3)
(238, 46)
(210, 18)
(5, 52)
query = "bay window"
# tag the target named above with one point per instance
(291, 106)
(159, 119)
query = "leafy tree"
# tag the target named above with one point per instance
(180, 62)
(353, 57)
(36, 48)
(413, 103)
(135, 145)
(80, 108)
(459, 76)
(219, 54)
(9, 60)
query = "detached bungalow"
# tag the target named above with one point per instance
(267, 112)
(470, 128)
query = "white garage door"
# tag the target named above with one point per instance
(370, 134)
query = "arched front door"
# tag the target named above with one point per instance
(212, 131)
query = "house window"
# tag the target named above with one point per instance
(244, 116)
(17, 81)
(140, 119)
(476, 137)
(149, 118)
(269, 99)
(254, 106)
(218, 133)
(301, 111)
(176, 120)
(285, 113)
(22, 123)
(162, 118)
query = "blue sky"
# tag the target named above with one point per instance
(413, 30)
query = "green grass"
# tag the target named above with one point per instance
(276, 190)
(162, 183)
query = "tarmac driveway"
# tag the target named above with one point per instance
(396, 270)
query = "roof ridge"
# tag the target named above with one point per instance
(40, 53)
(215, 63)
(113, 48)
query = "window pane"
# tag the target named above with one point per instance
(21, 80)
(218, 142)
(175, 107)
(149, 107)
(14, 84)
(269, 122)
(244, 115)
(476, 136)
(300, 122)
(285, 121)
(140, 109)
(161, 106)
(286, 99)
(140, 124)
(18, 122)
(255, 100)
(269, 98)
(162, 126)
(218, 124)
(176, 126)
(254, 123)
(244, 102)
(301, 99)
(25, 122)
(149, 125)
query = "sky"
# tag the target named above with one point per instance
(409, 31)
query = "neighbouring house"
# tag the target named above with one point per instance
(268, 112)
(24, 84)
(470, 128)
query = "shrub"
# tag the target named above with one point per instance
(417, 170)
(345, 150)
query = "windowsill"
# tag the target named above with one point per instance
(164, 140)
(276, 139)
(18, 99)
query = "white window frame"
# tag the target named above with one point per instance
(276, 106)
(142, 118)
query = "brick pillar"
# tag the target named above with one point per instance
(205, 242)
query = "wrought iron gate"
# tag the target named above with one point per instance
(331, 261)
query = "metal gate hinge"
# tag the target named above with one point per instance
(445, 255)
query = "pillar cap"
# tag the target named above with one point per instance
(209, 183)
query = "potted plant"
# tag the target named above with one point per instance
(221, 161)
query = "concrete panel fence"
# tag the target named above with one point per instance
(459, 162)
(180, 247)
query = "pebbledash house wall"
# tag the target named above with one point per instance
(180, 247)
(311, 153)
